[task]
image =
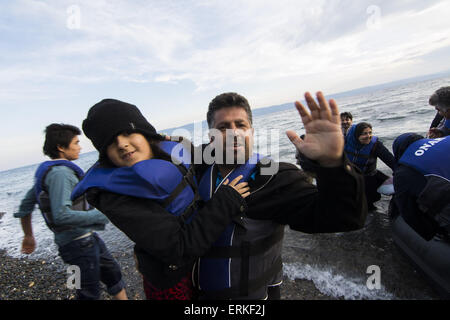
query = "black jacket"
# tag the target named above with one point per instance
(385, 155)
(287, 198)
(166, 247)
(408, 185)
(337, 204)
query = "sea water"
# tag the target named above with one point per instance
(327, 260)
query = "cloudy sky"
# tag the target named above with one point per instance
(170, 58)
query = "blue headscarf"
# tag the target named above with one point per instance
(351, 139)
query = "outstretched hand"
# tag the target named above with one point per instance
(324, 141)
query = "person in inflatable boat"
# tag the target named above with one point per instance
(422, 184)
(364, 149)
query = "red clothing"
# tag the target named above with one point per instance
(183, 290)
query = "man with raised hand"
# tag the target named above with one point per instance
(245, 262)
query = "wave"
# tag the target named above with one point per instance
(391, 118)
(335, 285)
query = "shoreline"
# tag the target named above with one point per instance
(40, 279)
(336, 262)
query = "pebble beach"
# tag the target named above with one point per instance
(28, 279)
(345, 256)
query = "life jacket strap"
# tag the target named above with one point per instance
(245, 268)
(359, 155)
(188, 180)
(176, 192)
(244, 252)
(45, 206)
(250, 285)
(369, 165)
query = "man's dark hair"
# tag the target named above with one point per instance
(441, 98)
(58, 135)
(227, 100)
(346, 115)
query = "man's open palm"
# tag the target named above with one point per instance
(324, 141)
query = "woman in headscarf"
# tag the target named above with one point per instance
(363, 149)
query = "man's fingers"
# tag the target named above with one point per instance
(325, 112)
(306, 117)
(335, 116)
(245, 195)
(236, 180)
(243, 189)
(295, 139)
(312, 105)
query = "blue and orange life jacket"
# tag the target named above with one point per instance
(431, 157)
(172, 185)
(246, 258)
(42, 195)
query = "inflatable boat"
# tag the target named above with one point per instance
(432, 258)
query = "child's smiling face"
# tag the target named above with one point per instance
(129, 149)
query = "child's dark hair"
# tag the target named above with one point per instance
(158, 153)
(58, 135)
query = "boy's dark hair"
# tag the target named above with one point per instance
(58, 135)
(441, 98)
(227, 100)
(346, 115)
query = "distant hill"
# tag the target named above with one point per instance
(290, 105)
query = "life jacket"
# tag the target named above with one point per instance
(361, 155)
(42, 196)
(431, 157)
(172, 185)
(246, 258)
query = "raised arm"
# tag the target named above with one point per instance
(338, 202)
